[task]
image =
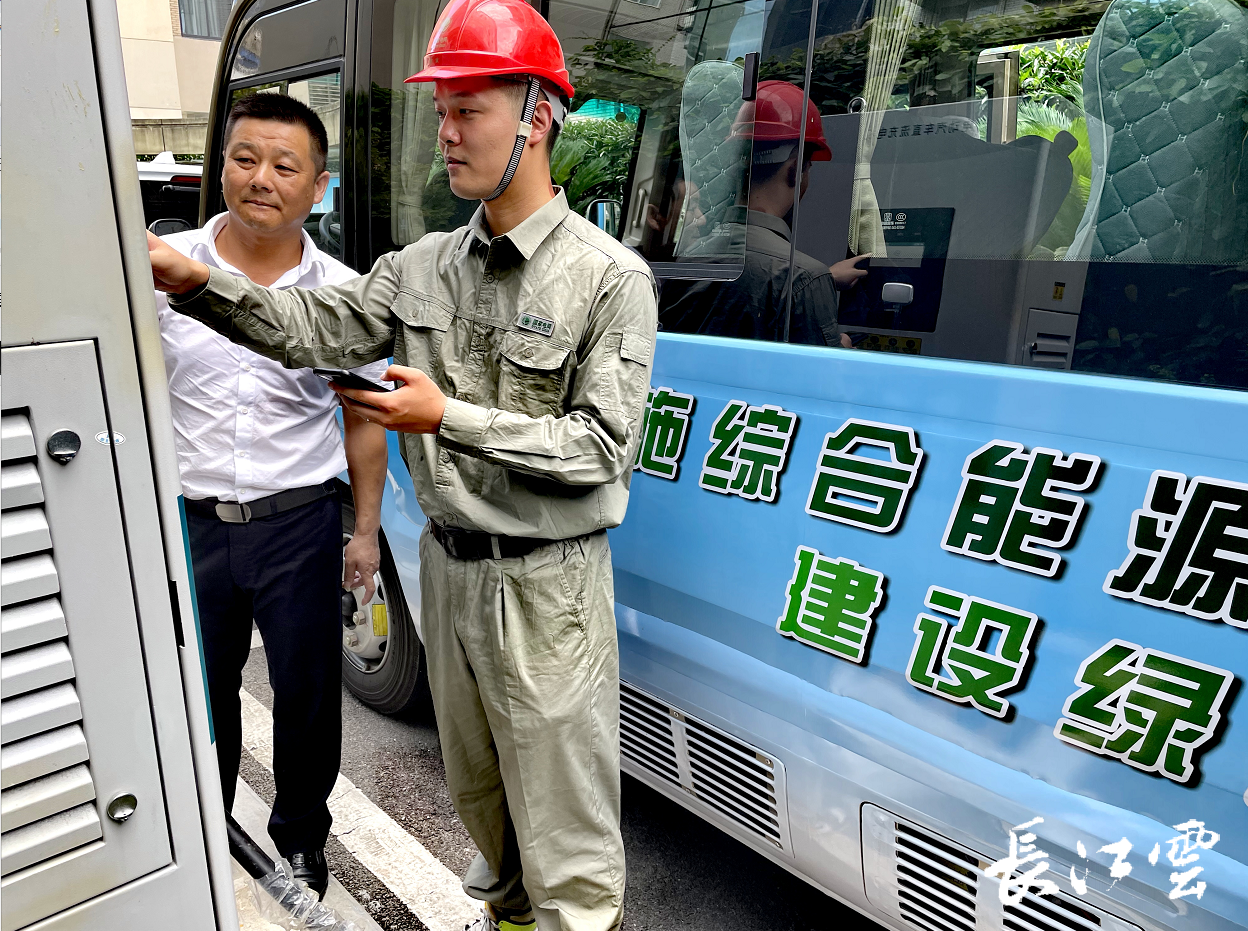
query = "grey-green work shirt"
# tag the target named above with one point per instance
(541, 339)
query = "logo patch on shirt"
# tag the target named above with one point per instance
(536, 324)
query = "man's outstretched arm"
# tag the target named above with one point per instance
(340, 326)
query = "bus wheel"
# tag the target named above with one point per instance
(383, 659)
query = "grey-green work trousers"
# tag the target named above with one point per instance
(524, 671)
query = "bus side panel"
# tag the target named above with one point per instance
(719, 567)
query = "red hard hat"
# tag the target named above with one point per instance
(493, 37)
(772, 118)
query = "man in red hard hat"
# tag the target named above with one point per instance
(523, 343)
(755, 305)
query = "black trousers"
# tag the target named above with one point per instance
(284, 571)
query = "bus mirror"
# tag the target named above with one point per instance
(604, 213)
(165, 226)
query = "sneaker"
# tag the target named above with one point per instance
(510, 924)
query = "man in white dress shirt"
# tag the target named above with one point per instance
(258, 448)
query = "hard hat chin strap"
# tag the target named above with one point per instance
(522, 136)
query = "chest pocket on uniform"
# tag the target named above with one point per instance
(423, 323)
(533, 375)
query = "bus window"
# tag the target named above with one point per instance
(777, 294)
(323, 93)
(1058, 187)
(622, 157)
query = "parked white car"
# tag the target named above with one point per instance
(170, 193)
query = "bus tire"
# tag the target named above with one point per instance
(396, 684)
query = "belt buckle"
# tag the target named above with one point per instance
(232, 512)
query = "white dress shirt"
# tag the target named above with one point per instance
(245, 426)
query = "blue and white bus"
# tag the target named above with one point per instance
(951, 621)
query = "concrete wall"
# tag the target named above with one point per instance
(181, 137)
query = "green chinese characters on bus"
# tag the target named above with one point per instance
(974, 662)
(664, 429)
(830, 603)
(1015, 506)
(861, 490)
(1188, 549)
(1149, 709)
(749, 449)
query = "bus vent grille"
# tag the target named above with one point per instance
(46, 803)
(930, 882)
(730, 783)
(1050, 913)
(646, 738)
(936, 882)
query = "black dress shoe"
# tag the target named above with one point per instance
(309, 867)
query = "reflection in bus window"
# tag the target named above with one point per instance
(1059, 186)
(656, 63)
(323, 93)
(770, 299)
(621, 154)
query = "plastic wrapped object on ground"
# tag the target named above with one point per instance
(287, 904)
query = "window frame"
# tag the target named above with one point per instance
(243, 16)
(225, 26)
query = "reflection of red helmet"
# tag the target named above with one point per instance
(493, 37)
(772, 118)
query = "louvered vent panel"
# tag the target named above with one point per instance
(1050, 913)
(734, 778)
(936, 883)
(646, 734)
(47, 793)
(930, 882)
(731, 783)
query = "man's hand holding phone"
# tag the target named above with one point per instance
(416, 406)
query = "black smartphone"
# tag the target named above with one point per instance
(344, 379)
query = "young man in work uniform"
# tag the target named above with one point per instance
(524, 343)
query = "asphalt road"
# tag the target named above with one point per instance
(682, 872)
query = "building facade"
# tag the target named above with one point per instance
(170, 49)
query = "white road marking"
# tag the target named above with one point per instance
(381, 845)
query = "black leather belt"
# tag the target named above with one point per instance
(473, 544)
(234, 513)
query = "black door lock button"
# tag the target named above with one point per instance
(63, 445)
